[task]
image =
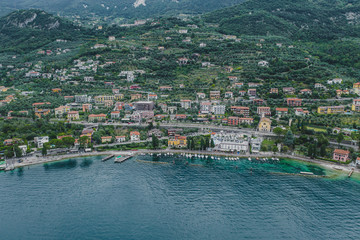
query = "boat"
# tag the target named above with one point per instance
(307, 173)
(249, 159)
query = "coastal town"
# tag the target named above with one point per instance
(170, 89)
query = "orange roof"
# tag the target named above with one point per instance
(134, 133)
(282, 109)
(341, 151)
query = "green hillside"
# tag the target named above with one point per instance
(297, 19)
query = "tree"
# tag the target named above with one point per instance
(9, 153)
(278, 131)
(212, 144)
(202, 144)
(340, 138)
(155, 142)
(44, 151)
(275, 149)
(83, 141)
(18, 151)
(289, 138)
(68, 141)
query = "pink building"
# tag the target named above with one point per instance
(341, 155)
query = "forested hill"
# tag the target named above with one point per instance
(111, 9)
(26, 30)
(297, 19)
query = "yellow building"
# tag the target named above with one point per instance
(56, 90)
(356, 105)
(331, 109)
(264, 125)
(356, 88)
(178, 141)
(103, 98)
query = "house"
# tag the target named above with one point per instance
(274, 91)
(264, 125)
(289, 90)
(61, 110)
(135, 96)
(96, 117)
(178, 141)
(134, 136)
(156, 132)
(214, 95)
(293, 102)
(201, 95)
(104, 98)
(319, 86)
(281, 111)
(263, 64)
(152, 96)
(334, 81)
(237, 110)
(165, 88)
(255, 144)
(358, 161)
(252, 92)
(331, 109)
(355, 105)
(235, 121)
(40, 141)
(120, 139)
(87, 107)
(233, 78)
(238, 85)
(41, 112)
(258, 101)
(172, 109)
(229, 95)
(144, 106)
(301, 112)
(115, 115)
(305, 92)
(356, 88)
(185, 104)
(341, 155)
(180, 116)
(82, 98)
(205, 107)
(263, 111)
(73, 115)
(173, 131)
(106, 139)
(56, 90)
(242, 93)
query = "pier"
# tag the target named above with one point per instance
(107, 158)
(121, 159)
(351, 172)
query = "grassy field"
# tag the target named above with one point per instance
(317, 129)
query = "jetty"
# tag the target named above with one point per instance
(121, 159)
(107, 158)
(351, 172)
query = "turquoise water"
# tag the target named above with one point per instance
(173, 198)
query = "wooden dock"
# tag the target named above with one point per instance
(107, 158)
(351, 172)
(122, 159)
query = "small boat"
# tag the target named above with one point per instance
(307, 173)
(249, 159)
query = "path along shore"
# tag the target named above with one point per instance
(32, 160)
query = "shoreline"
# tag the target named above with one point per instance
(33, 160)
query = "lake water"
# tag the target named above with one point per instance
(173, 198)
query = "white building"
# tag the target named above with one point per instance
(219, 109)
(230, 142)
(205, 107)
(41, 140)
(185, 104)
(334, 81)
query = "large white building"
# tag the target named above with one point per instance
(230, 142)
(40, 141)
(219, 109)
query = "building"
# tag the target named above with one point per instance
(235, 121)
(200, 95)
(263, 111)
(115, 115)
(106, 139)
(264, 125)
(104, 98)
(120, 139)
(293, 102)
(237, 110)
(331, 109)
(73, 115)
(205, 107)
(355, 105)
(289, 90)
(255, 145)
(59, 112)
(144, 106)
(219, 109)
(215, 95)
(152, 96)
(156, 132)
(177, 141)
(305, 92)
(134, 136)
(165, 88)
(185, 104)
(135, 96)
(40, 141)
(230, 142)
(229, 95)
(41, 112)
(87, 107)
(274, 91)
(96, 117)
(301, 112)
(356, 88)
(281, 111)
(81, 98)
(341, 155)
(334, 81)
(252, 92)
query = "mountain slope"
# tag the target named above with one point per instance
(297, 19)
(25, 30)
(119, 8)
